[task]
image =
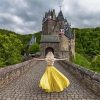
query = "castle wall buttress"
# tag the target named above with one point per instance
(73, 47)
(64, 43)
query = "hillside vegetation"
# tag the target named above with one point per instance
(88, 47)
(12, 47)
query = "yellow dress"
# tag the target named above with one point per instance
(53, 80)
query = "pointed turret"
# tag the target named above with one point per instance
(60, 16)
(54, 15)
(68, 30)
(46, 15)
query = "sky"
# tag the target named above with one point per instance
(25, 16)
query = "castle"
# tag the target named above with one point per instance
(57, 35)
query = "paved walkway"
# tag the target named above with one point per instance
(26, 87)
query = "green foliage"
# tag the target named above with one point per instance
(87, 44)
(13, 46)
(81, 60)
(38, 37)
(2, 62)
(25, 41)
(34, 48)
(10, 49)
(95, 65)
(7, 32)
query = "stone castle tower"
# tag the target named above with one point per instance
(57, 36)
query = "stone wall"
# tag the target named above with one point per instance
(9, 73)
(89, 78)
(54, 46)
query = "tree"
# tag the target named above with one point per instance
(95, 65)
(38, 37)
(34, 48)
(10, 49)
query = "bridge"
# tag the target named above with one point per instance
(20, 82)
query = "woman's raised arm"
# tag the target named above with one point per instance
(38, 59)
(61, 59)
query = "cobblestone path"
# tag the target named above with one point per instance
(26, 87)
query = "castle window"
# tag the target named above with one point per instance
(62, 30)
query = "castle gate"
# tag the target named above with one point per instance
(49, 43)
(49, 49)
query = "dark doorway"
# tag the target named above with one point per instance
(48, 50)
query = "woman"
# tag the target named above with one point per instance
(52, 80)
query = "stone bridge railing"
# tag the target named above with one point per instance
(9, 73)
(89, 78)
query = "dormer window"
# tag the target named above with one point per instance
(61, 30)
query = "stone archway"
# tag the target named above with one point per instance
(48, 49)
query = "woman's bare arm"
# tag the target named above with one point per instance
(38, 59)
(61, 59)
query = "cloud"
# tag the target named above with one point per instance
(25, 16)
(82, 13)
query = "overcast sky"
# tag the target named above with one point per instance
(25, 16)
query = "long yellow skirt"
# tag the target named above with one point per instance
(53, 80)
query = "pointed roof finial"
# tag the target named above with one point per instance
(60, 7)
(60, 4)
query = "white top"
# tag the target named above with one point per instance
(50, 61)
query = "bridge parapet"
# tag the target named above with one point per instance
(89, 78)
(9, 73)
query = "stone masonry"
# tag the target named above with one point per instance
(57, 36)
(26, 86)
(87, 77)
(9, 73)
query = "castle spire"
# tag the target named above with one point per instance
(60, 4)
(54, 15)
(60, 16)
(60, 7)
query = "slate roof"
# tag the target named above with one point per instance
(69, 33)
(60, 16)
(49, 38)
(68, 30)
